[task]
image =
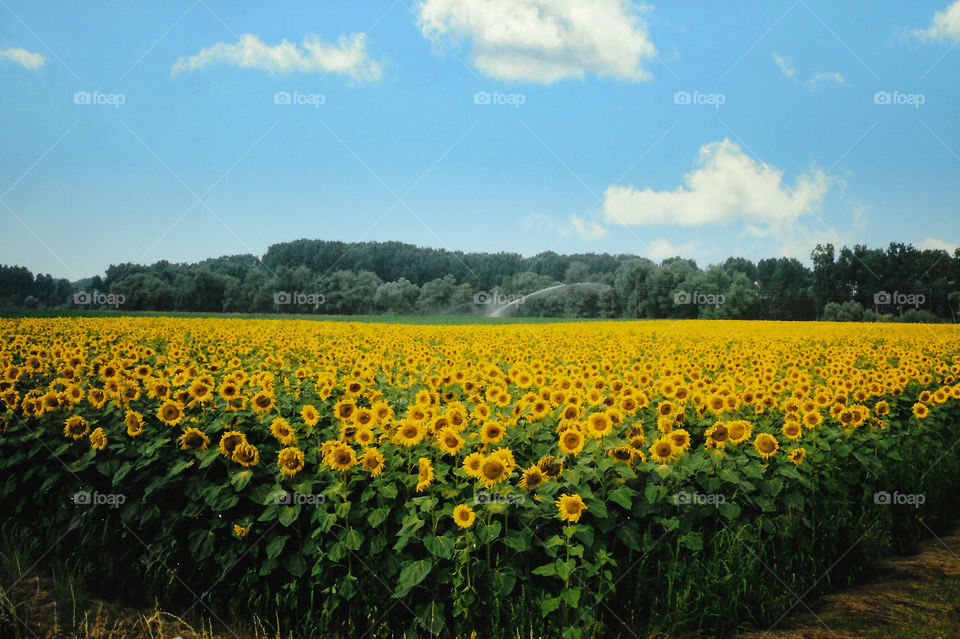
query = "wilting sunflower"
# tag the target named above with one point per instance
(372, 461)
(170, 413)
(281, 429)
(75, 427)
(662, 450)
(766, 445)
(229, 442)
(570, 507)
(449, 441)
(796, 456)
(310, 415)
(341, 457)
(571, 442)
(290, 461)
(532, 478)
(492, 432)
(424, 474)
(193, 439)
(262, 402)
(920, 411)
(622, 454)
(98, 439)
(463, 515)
(134, 423)
(246, 455)
(492, 471)
(472, 464)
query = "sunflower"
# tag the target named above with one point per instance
(410, 433)
(240, 531)
(193, 439)
(344, 409)
(492, 471)
(98, 439)
(622, 454)
(717, 435)
(492, 432)
(228, 391)
(75, 427)
(449, 441)
(920, 411)
(662, 450)
(463, 515)
(97, 397)
(424, 474)
(246, 455)
(290, 461)
(532, 478)
(170, 413)
(310, 415)
(571, 442)
(372, 461)
(791, 430)
(229, 442)
(599, 425)
(134, 423)
(881, 408)
(472, 464)
(364, 437)
(680, 439)
(341, 457)
(280, 428)
(200, 391)
(262, 402)
(796, 456)
(570, 507)
(740, 431)
(551, 466)
(812, 419)
(766, 445)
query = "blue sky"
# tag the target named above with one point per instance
(139, 133)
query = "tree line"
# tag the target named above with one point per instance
(900, 283)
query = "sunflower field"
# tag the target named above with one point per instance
(560, 480)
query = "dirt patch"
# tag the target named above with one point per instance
(915, 597)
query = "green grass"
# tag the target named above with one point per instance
(384, 319)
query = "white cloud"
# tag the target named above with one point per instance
(824, 77)
(587, 229)
(26, 59)
(932, 243)
(727, 185)
(861, 215)
(544, 40)
(945, 25)
(348, 57)
(661, 249)
(788, 70)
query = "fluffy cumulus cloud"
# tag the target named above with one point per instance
(661, 248)
(726, 185)
(349, 57)
(544, 40)
(945, 25)
(26, 59)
